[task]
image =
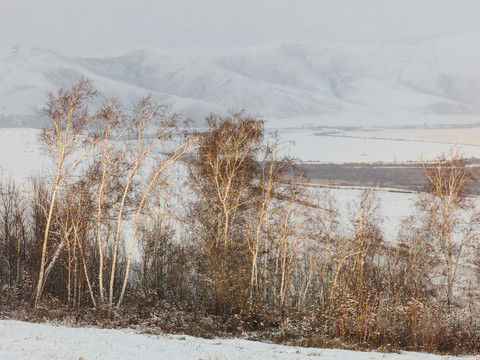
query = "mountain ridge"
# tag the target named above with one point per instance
(291, 84)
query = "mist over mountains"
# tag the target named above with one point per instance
(429, 81)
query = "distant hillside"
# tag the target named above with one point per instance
(426, 81)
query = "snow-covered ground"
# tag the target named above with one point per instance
(20, 154)
(393, 207)
(381, 145)
(21, 340)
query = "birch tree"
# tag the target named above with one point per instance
(149, 127)
(67, 140)
(222, 174)
(449, 213)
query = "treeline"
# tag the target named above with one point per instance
(139, 214)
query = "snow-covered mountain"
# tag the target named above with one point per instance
(423, 81)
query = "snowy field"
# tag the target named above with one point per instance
(387, 146)
(393, 206)
(27, 341)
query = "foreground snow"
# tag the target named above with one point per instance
(21, 340)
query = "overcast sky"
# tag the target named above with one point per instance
(96, 26)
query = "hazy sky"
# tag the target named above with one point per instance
(95, 26)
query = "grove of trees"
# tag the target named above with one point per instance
(139, 214)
